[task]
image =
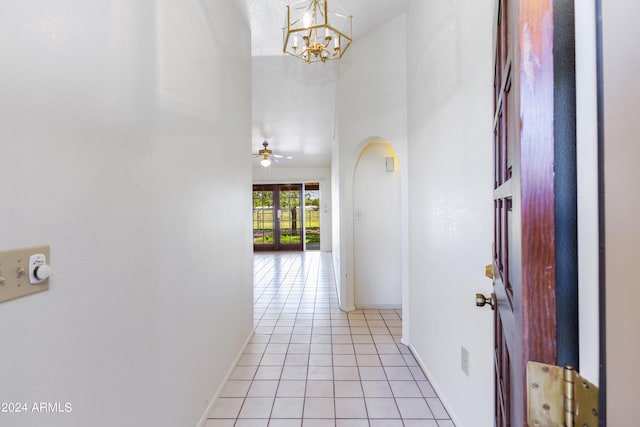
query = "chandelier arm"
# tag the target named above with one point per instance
(342, 51)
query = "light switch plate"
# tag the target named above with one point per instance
(14, 273)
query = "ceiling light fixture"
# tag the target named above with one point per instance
(321, 39)
(266, 155)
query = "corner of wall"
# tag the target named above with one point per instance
(205, 415)
(434, 383)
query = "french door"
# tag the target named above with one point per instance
(277, 219)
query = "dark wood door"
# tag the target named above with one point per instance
(524, 240)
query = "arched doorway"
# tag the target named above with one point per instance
(377, 228)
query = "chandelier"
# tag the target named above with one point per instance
(313, 33)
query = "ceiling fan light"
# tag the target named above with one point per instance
(265, 162)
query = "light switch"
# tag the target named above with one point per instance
(19, 268)
(391, 164)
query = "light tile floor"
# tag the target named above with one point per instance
(310, 364)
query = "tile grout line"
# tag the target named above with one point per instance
(309, 298)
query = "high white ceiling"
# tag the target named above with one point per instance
(294, 102)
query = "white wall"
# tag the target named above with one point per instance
(450, 171)
(283, 175)
(113, 116)
(371, 104)
(377, 229)
(621, 66)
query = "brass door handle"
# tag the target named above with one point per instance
(481, 301)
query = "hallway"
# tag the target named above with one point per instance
(311, 365)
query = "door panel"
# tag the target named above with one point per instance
(524, 227)
(263, 216)
(290, 220)
(312, 215)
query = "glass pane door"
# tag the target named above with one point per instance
(277, 220)
(289, 214)
(263, 216)
(312, 215)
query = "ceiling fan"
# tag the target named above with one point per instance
(268, 156)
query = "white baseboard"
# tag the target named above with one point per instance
(378, 306)
(434, 384)
(212, 401)
(347, 309)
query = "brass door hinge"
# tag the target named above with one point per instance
(560, 397)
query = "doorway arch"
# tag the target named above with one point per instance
(377, 227)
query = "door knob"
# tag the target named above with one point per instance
(481, 301)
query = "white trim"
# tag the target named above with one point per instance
(203, 419)
(587, 175)
(435, 386)
(347, 309)
(340, 304)
(379, 307)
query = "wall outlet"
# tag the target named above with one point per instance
(464, 360)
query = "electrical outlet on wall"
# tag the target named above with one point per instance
(464, 360)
